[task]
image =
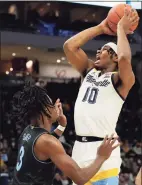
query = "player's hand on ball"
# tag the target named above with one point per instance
(106, 29)
(61, 117)
(107, 146)
(129, 19)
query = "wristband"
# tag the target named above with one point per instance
(61, 128)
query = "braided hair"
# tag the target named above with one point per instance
(30, 103)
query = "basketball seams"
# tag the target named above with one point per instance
(112, 22)
(117, 14)
(110, 27)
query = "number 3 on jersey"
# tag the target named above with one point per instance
(91, 95)
(20, 158)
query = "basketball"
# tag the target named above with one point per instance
(115, 14)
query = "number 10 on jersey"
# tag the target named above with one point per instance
(91, 95)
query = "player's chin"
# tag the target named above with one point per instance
(98, 64)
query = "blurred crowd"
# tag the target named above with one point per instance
(129, 130)
(47, 18)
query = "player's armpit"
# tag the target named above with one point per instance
(121, 87)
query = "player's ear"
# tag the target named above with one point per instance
(115, 58)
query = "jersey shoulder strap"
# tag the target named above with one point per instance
(87, 71)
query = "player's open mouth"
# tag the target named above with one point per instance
(97, 57)
(97, 61)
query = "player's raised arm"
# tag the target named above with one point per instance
(51, 147)
(72, 47)
(124, 52)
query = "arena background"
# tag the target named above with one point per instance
(31, 40)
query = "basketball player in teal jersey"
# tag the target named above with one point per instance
(105, 86)
(39, 150)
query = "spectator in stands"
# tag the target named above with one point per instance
(4, 156)
(138, 148)
(13, 10)
(3, 172)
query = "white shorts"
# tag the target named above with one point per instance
(84, 154)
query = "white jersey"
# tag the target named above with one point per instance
(98, 105)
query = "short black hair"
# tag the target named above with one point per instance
(30, 103)
(111, 52)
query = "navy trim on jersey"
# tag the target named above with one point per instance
(86, 72)
(55, 135)
(44, 162)
(115, 87)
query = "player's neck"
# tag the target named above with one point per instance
(46, 124)
(109, 69)
(46, 127)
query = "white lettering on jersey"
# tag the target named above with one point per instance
(26, 137)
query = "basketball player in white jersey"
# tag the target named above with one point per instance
(105, 86)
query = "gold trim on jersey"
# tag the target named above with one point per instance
(103, 175)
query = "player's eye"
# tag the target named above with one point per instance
(105, 49)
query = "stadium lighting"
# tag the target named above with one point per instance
(13, 54)
(58, 60)
(28, 48)
(29, 64)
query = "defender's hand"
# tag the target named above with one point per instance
(106, 148)
(61, 117)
